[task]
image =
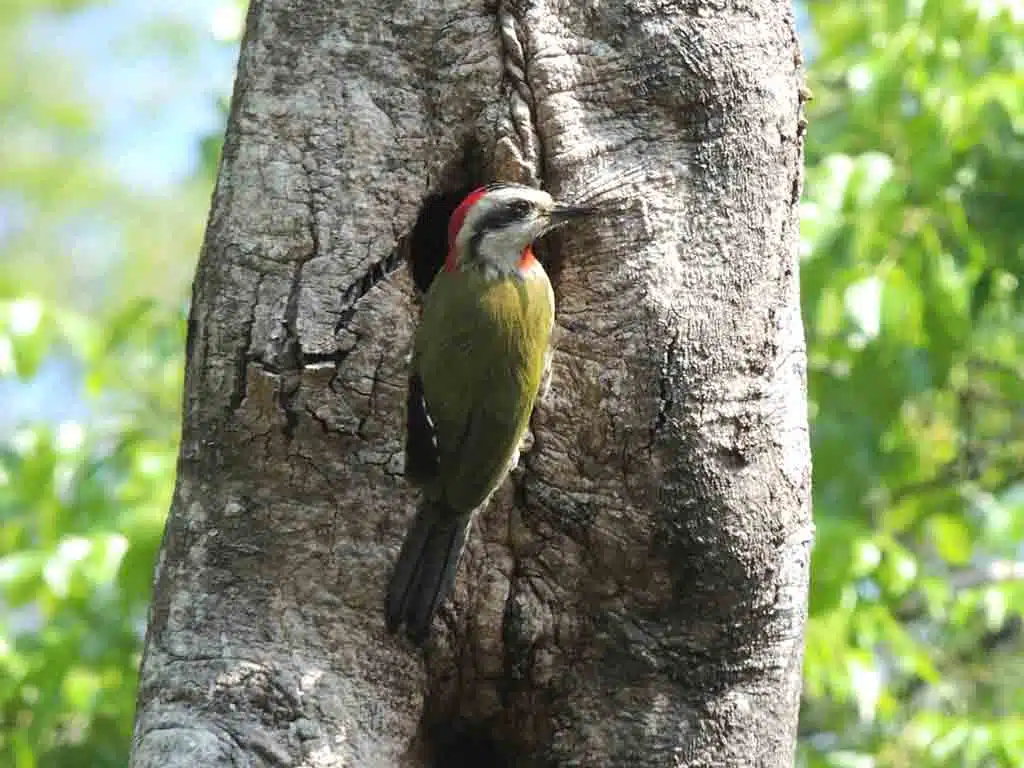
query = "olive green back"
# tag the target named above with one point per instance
(480, 352)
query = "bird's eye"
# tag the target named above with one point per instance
(520, 208)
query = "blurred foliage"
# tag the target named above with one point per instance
(912, 290)
(93, 283)
(913, 296)
(82, 507)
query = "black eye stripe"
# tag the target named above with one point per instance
(504, 215)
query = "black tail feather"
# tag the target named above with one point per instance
(425, 571)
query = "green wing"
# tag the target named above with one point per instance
(479, 354)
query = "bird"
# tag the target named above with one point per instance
(481, 354)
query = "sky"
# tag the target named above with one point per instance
(153, 72)
(152, 100)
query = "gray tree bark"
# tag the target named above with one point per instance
(635, 594)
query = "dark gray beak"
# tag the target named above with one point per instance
(562, 214)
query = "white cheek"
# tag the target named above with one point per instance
(505, 245)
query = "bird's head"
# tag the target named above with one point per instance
(494, 226)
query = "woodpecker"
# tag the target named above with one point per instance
(479, 358)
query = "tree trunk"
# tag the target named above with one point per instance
(635, 594)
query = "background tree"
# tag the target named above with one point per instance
(913, 655)
(96, 252)
(912, 300)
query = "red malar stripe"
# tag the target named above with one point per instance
(527, 260)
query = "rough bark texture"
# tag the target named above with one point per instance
(635, 595)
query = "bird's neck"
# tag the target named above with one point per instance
(527, 260)
(524, 267)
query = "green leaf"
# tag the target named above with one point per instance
(951, 538)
